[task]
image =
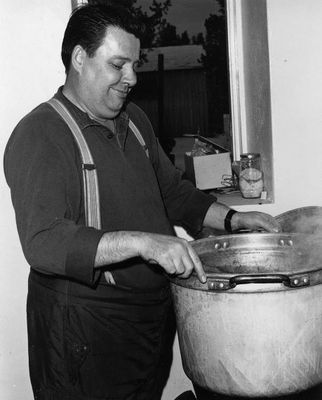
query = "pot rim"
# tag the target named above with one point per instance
(265, 258)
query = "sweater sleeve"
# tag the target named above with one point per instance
(42, 170)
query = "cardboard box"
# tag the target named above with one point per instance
(208, 171)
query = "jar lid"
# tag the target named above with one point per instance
(250, 156)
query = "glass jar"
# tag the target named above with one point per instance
(251, 181)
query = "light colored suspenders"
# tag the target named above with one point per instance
(139, 137)
(90, 181)
(91, 190)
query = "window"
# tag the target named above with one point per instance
(206, 71)
(183, 82)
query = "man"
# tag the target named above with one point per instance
(92, 337)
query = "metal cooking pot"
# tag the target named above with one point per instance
(255, 327)
(302, 220)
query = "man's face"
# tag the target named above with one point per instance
(106, 78)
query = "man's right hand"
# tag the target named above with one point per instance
(173, 254)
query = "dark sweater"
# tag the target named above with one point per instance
(43, 169)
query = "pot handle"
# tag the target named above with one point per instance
(219, 283)
(260, 278)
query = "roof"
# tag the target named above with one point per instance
(175, 57)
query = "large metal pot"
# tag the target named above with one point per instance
(255, 328)
(302, 220)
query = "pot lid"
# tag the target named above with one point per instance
(302, 220)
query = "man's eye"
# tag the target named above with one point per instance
(117, 66)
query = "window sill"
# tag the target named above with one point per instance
(236, 199)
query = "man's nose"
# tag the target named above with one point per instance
(130, 77)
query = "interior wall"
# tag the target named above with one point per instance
(295, 54)
(31, 71)
(295, 46)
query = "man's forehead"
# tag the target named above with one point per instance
(120, 42)
(118, 34)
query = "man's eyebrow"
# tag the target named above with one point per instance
(123, 58)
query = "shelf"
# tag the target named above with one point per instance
(236, 199)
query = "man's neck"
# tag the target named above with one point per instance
(109, 123)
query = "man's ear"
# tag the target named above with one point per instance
(78, 57)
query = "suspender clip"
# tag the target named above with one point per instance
(89, 167)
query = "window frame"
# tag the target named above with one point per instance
(249, 78)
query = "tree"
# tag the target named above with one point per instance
(184, 38)
(167, 35)
(198, 39)
(158, 32)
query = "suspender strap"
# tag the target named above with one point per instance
(90, 181)
(91, 192)
(139, 137)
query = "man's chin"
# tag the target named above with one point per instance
(116, 109)
(111, 113)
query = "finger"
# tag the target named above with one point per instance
(180, 267)
(169, 267)
(188, 266)
(197, 265)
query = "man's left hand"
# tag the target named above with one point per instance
(254, 220)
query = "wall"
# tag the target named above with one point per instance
(295, 52)
(30, 73)
(295, 47)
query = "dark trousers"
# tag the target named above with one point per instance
(111, 344)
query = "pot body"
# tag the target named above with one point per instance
(251, 344)
(254, 340)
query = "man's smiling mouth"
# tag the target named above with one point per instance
(121, 93)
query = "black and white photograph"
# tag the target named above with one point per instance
(161, 195)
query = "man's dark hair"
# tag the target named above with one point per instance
(87, 28)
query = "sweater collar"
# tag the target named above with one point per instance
(84, 121)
